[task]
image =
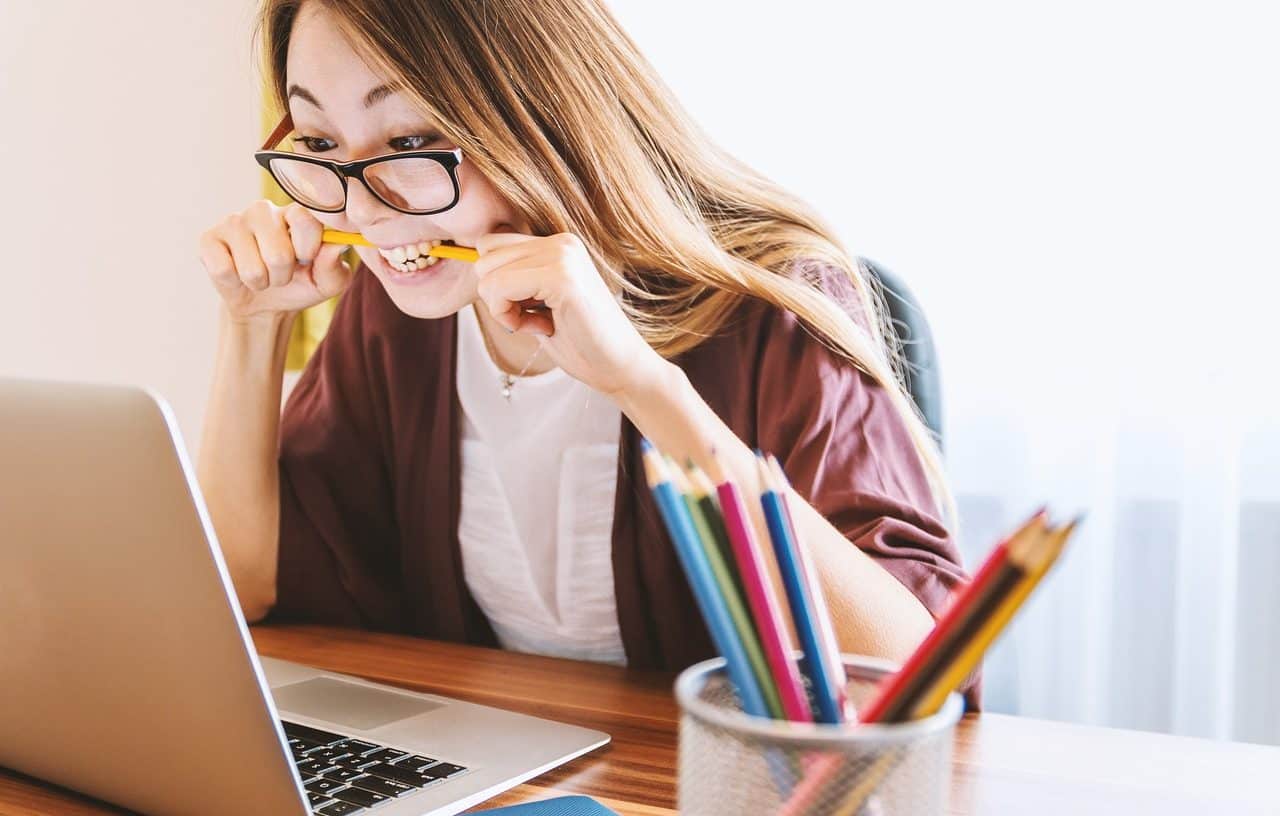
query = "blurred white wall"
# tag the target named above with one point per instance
(126, 129)
(1110, 163)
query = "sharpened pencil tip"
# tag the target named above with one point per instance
(779, 475)
(764, 476)
(715, 468)
(654, 470)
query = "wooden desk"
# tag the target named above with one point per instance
(1003, 765)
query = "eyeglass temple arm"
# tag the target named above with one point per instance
(286, 125)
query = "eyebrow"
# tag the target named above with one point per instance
(370, 99)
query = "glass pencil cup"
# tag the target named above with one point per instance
(734, 764)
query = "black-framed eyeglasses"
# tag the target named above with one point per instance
(415, 182)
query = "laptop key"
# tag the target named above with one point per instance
(356, 746)
(317, 799)
(355, 763)
(415, 762)
(356, 796)
(339, 809)
(300, 744)
(322, 785)
(327, 754)
(402, 775)
(383, 786)
(442, 771)
(340, 774)
(312, 767)
(386, 755)
(306, 732)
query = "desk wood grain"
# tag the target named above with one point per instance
(1003, 765)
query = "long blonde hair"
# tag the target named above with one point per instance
(555, 105)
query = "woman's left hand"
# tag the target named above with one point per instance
(583, 329)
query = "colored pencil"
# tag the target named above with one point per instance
(702, 582)
(770, 620)
(1010, 574)
(460, 253)
(808, 609)
(1034, 554)
(1029, 553)
(889, 701)
(708, 502)
(1036, 561)
(705, 521)
(833, 661)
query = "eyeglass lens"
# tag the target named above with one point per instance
(409, 183)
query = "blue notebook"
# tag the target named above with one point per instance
(560, 806)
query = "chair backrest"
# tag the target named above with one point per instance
(923, 380)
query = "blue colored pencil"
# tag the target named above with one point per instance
(826, 629)
(805, 610)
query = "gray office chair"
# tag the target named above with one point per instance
(922, 376)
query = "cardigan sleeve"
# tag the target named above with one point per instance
(846, 449)
(337, 524)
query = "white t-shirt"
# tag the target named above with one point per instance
(539, 472)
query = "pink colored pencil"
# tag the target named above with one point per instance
(775, 638)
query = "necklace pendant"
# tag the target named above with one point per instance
(507, 382)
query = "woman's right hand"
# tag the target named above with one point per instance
(268, 260)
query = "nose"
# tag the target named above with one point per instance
(363, 207)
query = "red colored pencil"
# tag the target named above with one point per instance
(898, 686)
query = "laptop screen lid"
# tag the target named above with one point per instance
(126, 668)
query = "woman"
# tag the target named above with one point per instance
(457, 466)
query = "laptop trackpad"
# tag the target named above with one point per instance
(349, 704)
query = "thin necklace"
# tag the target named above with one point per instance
(505, 380)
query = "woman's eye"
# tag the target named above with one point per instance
(315, 144)
(412, 142)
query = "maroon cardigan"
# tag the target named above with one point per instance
(370, 477)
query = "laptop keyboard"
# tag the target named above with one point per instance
(344, 775)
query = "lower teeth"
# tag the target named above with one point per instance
(409, 270)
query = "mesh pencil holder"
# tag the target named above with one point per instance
(734, 764)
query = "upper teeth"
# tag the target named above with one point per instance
(411, 256)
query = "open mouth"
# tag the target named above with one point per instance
(413, 257)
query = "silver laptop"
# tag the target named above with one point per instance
(126, 670)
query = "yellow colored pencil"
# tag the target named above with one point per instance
(868, 781)
(459, 253)
(968, 660)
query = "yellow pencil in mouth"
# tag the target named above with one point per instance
(459, 253)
